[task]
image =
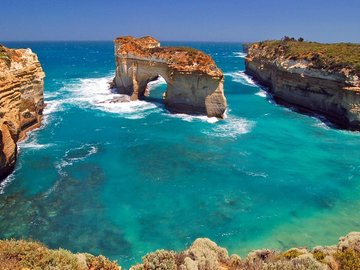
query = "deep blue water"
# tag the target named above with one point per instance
(125, 179)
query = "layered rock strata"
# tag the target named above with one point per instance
(194, 82)
(21, 101)
(310, 77)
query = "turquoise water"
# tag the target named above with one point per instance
(126, 179)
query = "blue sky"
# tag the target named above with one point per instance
(198, 20)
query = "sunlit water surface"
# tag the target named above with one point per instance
(129, 178)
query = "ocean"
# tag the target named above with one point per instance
(125, 179)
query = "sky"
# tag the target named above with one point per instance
(183, 20)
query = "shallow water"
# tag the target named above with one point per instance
(124, 179)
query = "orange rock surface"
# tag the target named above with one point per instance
(21, 101)
(195, 83)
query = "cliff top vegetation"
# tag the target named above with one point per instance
(332, 56)
(23, 255)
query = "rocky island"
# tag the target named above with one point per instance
(203, 254)
(21, 101)
(313, 77)
(194, 82)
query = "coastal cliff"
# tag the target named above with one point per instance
(312, 77)
(203, 254)
(194, 82)
(21, 101)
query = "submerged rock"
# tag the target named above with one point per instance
(194, 82)
(313, 77)
(21, 101)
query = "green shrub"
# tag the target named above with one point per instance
(319, 255)
(292, 253)
(348, 259)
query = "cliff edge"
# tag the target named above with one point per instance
(313, 77)
(21, 101)
(203, 254)
(194, 82)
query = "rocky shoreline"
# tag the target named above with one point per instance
(203, 254)
(310, 77)
(21, 101)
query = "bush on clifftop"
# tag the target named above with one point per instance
(23, 255)
(334, 56)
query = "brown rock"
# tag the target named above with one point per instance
(21, 101)
(195, 83)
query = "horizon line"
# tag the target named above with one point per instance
(111, 40)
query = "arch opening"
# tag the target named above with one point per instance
(155, 90)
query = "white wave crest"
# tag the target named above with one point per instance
(159, 81)
(33, 144)
(6, 182)
(192, 118)
(75, 155)
(52, 106)
(231, 127)
(50, 95)
(241, 77)
(9, 178)
(240, 54)
(95, 93)
(262, 93)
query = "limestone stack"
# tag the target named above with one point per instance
(21, 101)
(194, 82)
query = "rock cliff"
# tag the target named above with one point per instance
(194, 82)
(21, 101)
(313, 77)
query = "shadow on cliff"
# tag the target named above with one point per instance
(327, 121)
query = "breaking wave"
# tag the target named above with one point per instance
(241, 77)
(33, 144)
(262, 93)
(95, 93)
(5, 182)
(9, 178)
(239, 54)
(192, 118)
(232, 127)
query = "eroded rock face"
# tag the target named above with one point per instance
(194, 82)
(334, 94)
(21, 101)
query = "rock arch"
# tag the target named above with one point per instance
(194, 82)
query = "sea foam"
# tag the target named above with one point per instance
(239, 54)
(232, 127)
(241, 77)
